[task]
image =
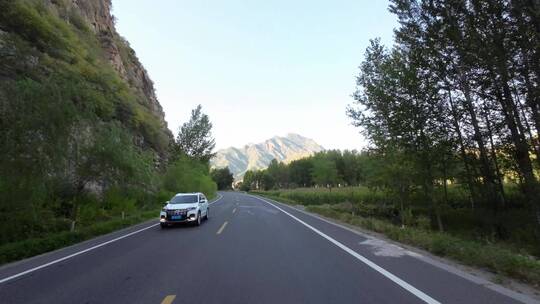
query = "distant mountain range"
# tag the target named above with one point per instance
(258, 156)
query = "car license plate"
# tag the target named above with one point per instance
(176, 217)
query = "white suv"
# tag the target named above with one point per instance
(184, 207)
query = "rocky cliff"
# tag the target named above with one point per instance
(117, 50)
(76, 104)
(32, 31)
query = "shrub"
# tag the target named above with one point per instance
(423, 222)
(30, 247)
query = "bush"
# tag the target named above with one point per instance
(117, 202)
(31, 247)
(423, 222)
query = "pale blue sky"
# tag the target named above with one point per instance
(259, 68)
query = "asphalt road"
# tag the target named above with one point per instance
(249, 251)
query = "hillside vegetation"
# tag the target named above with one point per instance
(83, 136)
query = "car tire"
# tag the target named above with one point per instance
(163, 226)
(198, 221)
(207, 214)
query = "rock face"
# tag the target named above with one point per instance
(117, 49)
(91, 118)
(258, 156)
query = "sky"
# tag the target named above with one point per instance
(258, 68)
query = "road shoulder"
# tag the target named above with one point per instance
(506, 286)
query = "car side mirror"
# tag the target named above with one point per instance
(166, 203)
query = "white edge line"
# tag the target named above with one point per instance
(220, 197)
(74, 254)
(81, 252)
(424, 297)
(430, 260)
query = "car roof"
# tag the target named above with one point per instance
(190, 193)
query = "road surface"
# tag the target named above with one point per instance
(250, 251)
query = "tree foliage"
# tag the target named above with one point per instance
(223, 178)
(189, 175)
(323, 169)
(194, 138)
(324, 173)
(456, 98)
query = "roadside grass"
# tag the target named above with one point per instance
(31, 247)
(493, 257)
(26, 248)
(511, 227)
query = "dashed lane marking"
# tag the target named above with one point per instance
(221, 228)
(168, 299)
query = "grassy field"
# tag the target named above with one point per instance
(349, 205)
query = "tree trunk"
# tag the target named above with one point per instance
(533, 104)
(487, 171)
(402, 211)
(463, 151)
(495, 161)
(428, 183)
(498, 59)
(513, 120)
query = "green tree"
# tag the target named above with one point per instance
(194, 138)
(222, 177)
(351, 170)
(300, 172)
(250, 181)
(189, 175)
(325, 173)
(279, 174)
(470, 61)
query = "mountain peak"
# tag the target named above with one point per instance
(258, 156)
(294, 135)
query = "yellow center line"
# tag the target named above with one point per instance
(221, 228)
(234, 210)
(168, 299)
